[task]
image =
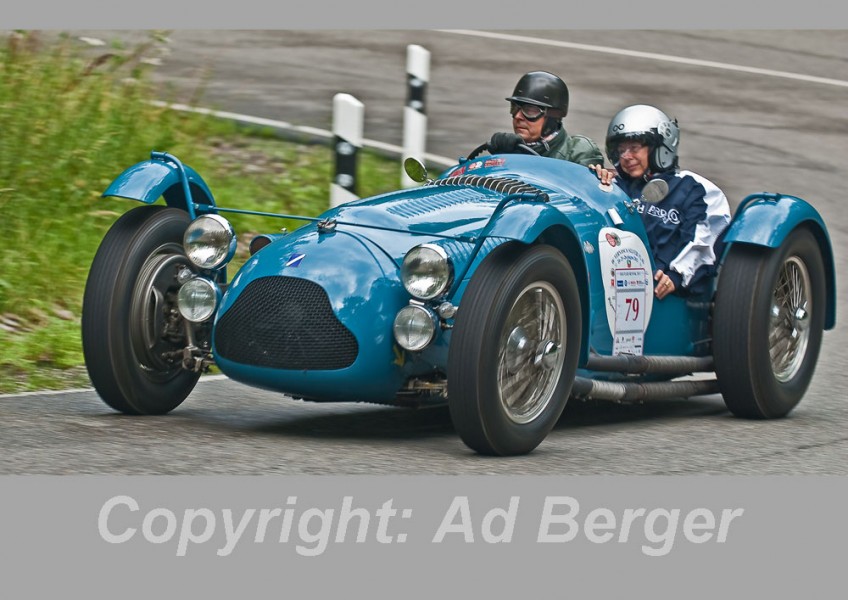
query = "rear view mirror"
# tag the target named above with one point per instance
(415, 169)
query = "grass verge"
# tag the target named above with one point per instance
(71, 121)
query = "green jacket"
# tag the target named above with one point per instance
(574, 148)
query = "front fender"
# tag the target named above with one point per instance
(162, 175)
(566, 227)
(766, 220)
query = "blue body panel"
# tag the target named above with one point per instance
(162, 176)
(766, 220)
(358, 266)
(361, 283)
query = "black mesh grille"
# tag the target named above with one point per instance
(285, 323)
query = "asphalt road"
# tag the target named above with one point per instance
(759, 111)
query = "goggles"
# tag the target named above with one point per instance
(531, 112)
(632, 148)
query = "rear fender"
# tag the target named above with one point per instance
(162, 175)
(766, 220)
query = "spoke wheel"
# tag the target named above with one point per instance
(790, 333)
(514, 350)
(132, 334)
(531, 358)
(156, 330)
(768, 323)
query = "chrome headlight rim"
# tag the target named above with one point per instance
(188, 294)
(428, 324)
(223, 242)
(411, 276)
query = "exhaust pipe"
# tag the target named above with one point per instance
(589, 389)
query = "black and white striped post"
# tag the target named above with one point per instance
(347, 140)
(415, 113)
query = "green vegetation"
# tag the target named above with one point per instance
(70, 121)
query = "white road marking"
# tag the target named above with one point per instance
(204, 379)
(648, 55)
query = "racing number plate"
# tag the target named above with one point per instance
(628, 288)
(630, 292)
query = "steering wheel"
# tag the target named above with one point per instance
(485, 146)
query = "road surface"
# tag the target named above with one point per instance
(759, 111)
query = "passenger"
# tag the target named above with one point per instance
(684, 226)
(537, 105)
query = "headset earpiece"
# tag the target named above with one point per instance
(664, 155)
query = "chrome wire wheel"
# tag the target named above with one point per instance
(768, 320)
(131, 337)
(789, 331)
(514, 349)
(531, 352)
(156, 328)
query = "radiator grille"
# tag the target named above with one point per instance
(285, 323)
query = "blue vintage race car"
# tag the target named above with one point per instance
(503, 287)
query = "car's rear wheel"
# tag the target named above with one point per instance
(514, 350)
(768, 323)
(132, 334)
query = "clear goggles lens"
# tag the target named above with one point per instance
(531, 112)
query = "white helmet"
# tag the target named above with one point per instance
(652, 127)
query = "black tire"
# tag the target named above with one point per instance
(128, 329)
(764, 298)
(497, 348)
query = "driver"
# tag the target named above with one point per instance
(684, 226)
(537, 105)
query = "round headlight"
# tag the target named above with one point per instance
(414, 327)
(427, 272)
(197, 299)
(209, 241)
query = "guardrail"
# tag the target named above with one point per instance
(346, 138)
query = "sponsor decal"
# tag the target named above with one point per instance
(588, 248)
(666, 216)
(295, 260)
(458, 172)
(613, 240)
(475, 165)
(495, 162)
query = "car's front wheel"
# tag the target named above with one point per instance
(514, 350)
(768, 323)
(132, 334)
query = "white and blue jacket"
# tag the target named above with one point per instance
(683, 228)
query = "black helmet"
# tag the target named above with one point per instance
(542, 89)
